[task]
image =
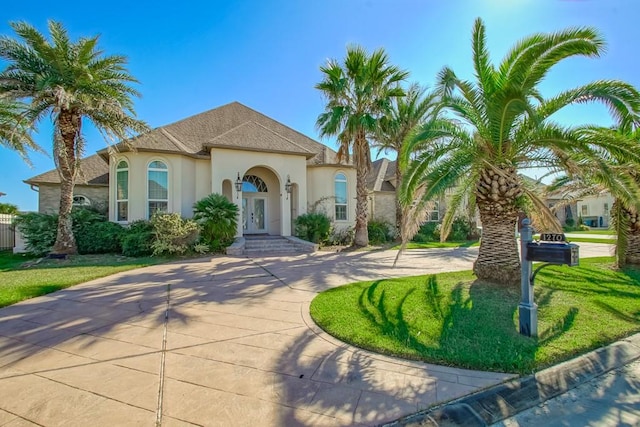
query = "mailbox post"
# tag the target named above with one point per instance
(551, 250)
(527, 309)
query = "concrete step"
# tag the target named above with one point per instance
(271, 245)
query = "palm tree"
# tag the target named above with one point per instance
(15, 134)
(500, 124)
(405, 115)
(69, 81)
(358, 94)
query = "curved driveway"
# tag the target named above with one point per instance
(216, 341)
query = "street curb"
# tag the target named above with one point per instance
(507, 399)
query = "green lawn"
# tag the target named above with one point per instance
(23, 277)
(590, 240)
(606, 232)
(451, 319)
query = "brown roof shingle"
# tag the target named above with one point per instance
(94, 170)
(225, 126)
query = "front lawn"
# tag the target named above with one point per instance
(23, 277)
(452, 319)
(605, 232)
(591, 240)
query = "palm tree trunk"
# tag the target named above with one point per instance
(361, 237)
(362, 159)
(496, 194)
(627, 226)
(398, 207)
(632, 256)
(65, 152)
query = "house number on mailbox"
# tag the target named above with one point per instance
(552, 237)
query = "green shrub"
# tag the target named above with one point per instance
(462, 230)
(379, 232)
(94, 233)
(218, 220)
(313, 227)
(8, 208)
(341, 236)
(137, 239)
(38, 230)
(429, 232)
(173, 234)
(100, 238)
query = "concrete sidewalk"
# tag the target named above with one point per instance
(216, 341)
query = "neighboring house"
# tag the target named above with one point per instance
(595, 210)
(269, 170)
(563, 205)
(381, 183)
(92, 186)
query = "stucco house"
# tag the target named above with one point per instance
(272, 172)
(381, 184)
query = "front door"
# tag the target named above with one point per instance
(254, 215)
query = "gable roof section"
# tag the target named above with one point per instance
(381, 176)
(94, 170)
(253, 136)
(231, 125)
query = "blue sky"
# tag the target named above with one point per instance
(192, 56)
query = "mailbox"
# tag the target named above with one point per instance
(554, 253)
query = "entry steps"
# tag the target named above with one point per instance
(264, 245)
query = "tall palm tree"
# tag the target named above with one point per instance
(70, 81)
(405, 115)
(500, 124)
(15, 133)
(358, 93)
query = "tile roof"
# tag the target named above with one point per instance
(94, 170)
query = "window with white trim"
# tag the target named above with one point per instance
(433, 214)
(157, 188)
(340, 193)
(122, 191)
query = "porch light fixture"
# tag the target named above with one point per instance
(238, 184)
(288, 186)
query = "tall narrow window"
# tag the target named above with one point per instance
(157, 187)
(341, 197)
(122, 191)
(434, 212)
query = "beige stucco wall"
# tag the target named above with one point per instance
(594, 206)
(273, 168)
(189, 181)
(322, 186)
(49, 196)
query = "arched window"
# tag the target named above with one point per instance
(157, 188)
(81, 200)
(253, 184)
(122, 191)
(340, 193)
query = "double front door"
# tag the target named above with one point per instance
(254, 214)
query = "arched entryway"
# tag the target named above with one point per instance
(261, 202)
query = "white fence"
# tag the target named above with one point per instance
(7, 234)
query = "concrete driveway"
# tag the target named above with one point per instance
(216, 341)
